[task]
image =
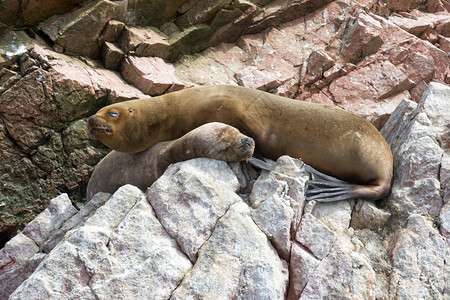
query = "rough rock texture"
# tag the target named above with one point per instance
(374, 58)
(364, 56)
(206, 230)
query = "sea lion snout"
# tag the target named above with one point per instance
(98, 126)
(248, 142)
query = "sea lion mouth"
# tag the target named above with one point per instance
(97, 126)
(247, 148)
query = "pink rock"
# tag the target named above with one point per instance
(318, 62)
(145, 42)
(111, 56)
(69, 30)
(112, 31)
(363, 38)
(253, 78)
(151, 75)
(371, 83)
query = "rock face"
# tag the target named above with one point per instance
(199, 232)
(370, 56)
(374, 58)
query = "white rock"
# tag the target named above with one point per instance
(189, 199)
(420, 259)
(52, 218)
(237, 262)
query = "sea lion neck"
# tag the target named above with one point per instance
(197, 106)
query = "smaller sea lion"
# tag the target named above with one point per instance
(213, 140)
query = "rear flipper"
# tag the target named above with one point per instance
(325, 188)
(259, 163)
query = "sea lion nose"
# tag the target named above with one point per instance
(247, 142)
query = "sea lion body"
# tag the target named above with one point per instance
(331, 140)
(212, 140)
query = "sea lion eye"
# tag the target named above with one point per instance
(113, 114)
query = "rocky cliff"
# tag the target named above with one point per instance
(211, 230)
(60, 62)
(364, 56)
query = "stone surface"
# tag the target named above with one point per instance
(418, 153)
(151, 75)
(241, 261)
(198, 207)
(43, 130)
(420, 256)
(69, 30)
(374, 58)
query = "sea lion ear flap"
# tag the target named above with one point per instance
(130, 110)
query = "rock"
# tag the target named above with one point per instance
(112, 56)
(277, 199)
(319, 240)
(318, 62)
(190, 212)
(43, 134)
(301, 268)
(18, 260)
(151, 75)
(102, 257)
(336, 216)
(362, 38)
(444, 219)
(253, 78)
(239, 261)
(324, 255)
(419, 259)
(112, 32)
(51, 219)
(27, 14)
(367, 215)
(153, 13)
(417, 154)
(69, 32)
(13, 44)
(201, 12)
(147, 41)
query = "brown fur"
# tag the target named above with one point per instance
(213, 140)
(331, 140)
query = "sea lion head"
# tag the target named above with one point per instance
(227, 143)
(113, 125)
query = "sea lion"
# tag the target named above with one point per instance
(335, 142)
(213, 140)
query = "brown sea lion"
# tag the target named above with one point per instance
(331, 140)
(213, 140)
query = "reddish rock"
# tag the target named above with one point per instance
(152, 13)
(371, 83)
(112, 56)
(362, 38)
(112, 31)
(69, 30)
(13, 12)
(317, 63)
(145, 42)
(151, 75)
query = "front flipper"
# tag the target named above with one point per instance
(325, 188)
